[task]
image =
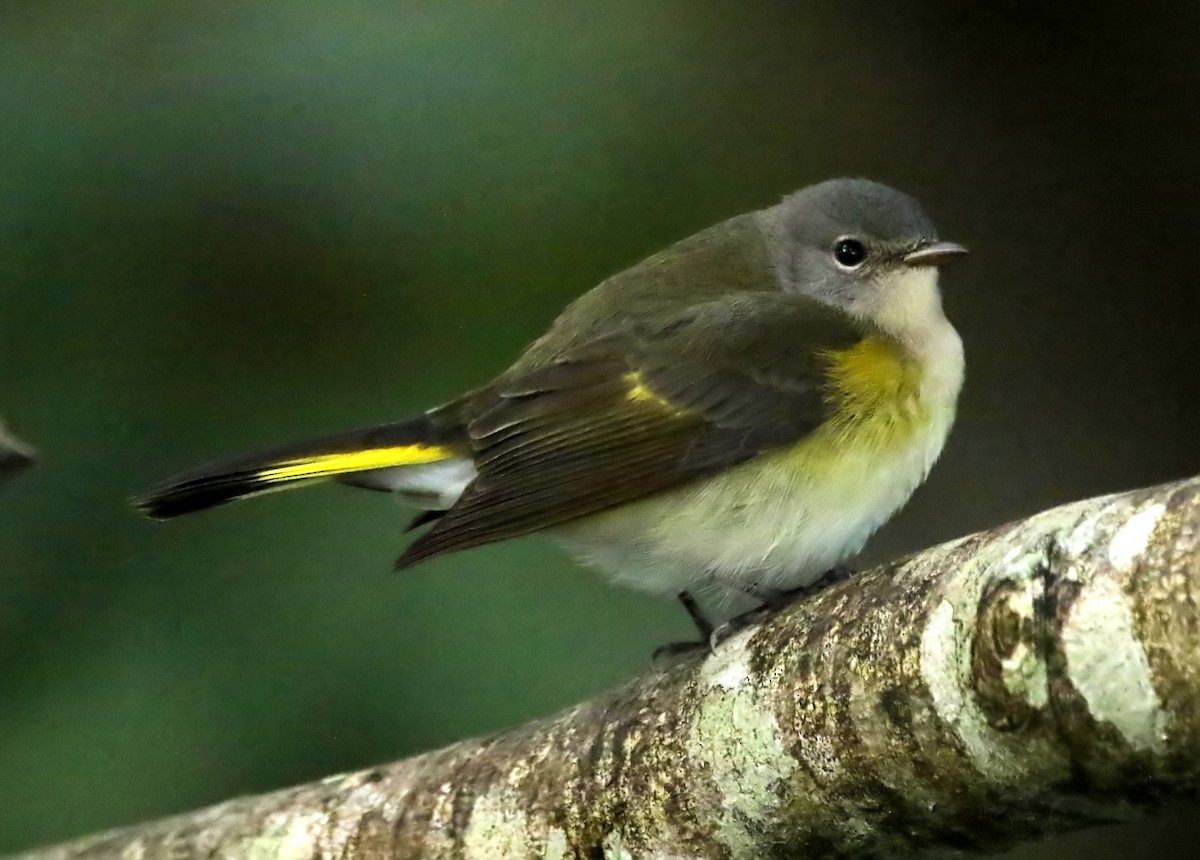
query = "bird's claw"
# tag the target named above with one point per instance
(674, 653)
(773, 600)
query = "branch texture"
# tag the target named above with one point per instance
(1041, 676)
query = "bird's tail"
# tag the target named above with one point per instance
(418, 455)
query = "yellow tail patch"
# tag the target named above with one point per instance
(324, 465)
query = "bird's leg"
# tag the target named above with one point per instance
(775, 599)
(703, 625)
(670, 653)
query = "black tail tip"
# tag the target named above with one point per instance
(176, 500)
(145, 506)
(160, 506)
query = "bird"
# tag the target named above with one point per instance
(733, 416)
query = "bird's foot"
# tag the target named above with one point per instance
(676, 652)
(738, 623)
(837, 573)
(711, 637)
(775, 599)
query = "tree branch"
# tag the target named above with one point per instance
(15, 455)
(1041, 676)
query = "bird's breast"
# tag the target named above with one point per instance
(786, 516)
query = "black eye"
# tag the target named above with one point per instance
(849, 252)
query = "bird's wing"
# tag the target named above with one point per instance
(640, 410)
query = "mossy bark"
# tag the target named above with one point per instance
(1040, 676)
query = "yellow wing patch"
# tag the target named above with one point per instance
(639, 393)
(323, 465)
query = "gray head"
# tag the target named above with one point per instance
(857, 245)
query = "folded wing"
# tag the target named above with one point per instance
(639, 411)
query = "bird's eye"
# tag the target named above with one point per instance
(849, 253)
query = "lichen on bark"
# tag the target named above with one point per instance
(1039, 676)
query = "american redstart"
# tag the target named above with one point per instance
(735, 414)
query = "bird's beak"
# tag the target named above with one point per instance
(934, 254)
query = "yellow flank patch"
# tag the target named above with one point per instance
(873, 371)
(323, 465)
(639, 393)
(873, 388)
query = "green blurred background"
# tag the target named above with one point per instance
(226, 224)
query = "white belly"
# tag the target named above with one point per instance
(768, 522)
